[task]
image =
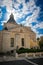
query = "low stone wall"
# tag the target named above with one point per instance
(40, 54)
(21, 55)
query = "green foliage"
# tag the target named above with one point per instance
(21, 50)
(2, 53)
(26, 50)
(38, 39)
(41, 44)
(8, 53)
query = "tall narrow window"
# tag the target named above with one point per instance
(22, 41)
(12, 42)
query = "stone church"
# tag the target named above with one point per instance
(14, 36)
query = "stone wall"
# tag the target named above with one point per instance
(1, 41)
(38, 54)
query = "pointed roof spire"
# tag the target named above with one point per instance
(11, 19)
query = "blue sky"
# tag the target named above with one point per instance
(26, 12)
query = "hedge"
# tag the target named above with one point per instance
(26, 50)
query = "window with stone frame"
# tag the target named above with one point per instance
(22, 40)
(12, 42)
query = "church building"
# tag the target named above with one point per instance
(14, 36)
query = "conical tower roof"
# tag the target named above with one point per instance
(11, 19)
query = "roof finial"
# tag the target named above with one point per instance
(11, 19)
(12, 16)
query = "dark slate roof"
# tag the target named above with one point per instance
(11, 19)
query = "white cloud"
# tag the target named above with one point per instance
(16, 5)
(27, 8)
(21, 1)
(0, 13)
(8, 4)
(1, 3)
(40, 25)
(33, 17)
(3, 22)
(39, 35)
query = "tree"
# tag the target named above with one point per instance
(38, 39)
(41, 44)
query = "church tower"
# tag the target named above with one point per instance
(11, 19)
(10, 23)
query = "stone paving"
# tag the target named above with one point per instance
(11, 58)
(29, 60)
(6, 60)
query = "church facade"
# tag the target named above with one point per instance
(14, 36)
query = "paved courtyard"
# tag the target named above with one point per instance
(16, 62)
(23, 61)
(38, 61)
